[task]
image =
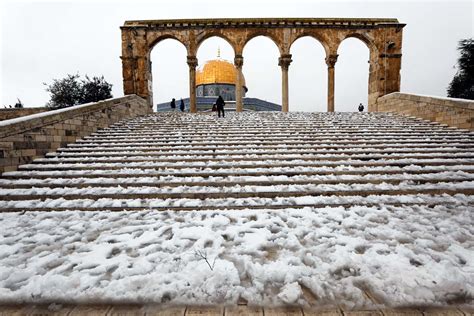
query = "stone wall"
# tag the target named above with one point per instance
(454, 112)
(7, 114)
(26, 138)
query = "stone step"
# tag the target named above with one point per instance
(221, 138)
(287, 139)
(387, 125)
(168, 181)
(246, 148)
(275, 122)
(228, 145)
(271, 192)
(250, 157)
(283, 126)
(260, 141)
(122, 309)
(284, 139)
(383, 123)
(169, 122)
(228, 204)
(279, 145)
(267, 172)
(239, 164)
(239, 153)
(159, 131)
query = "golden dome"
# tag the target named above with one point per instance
(217, 71)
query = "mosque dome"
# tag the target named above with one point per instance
(217, 71)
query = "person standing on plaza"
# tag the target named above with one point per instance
(361, 108)
(181, 105)
(220, 106)
(173, 104)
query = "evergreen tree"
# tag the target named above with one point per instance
(71, 91)
(462, 85)
(95, 89)
(64, 92)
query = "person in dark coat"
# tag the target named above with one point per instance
(181, 105)
(361, 108)
(173, 104)
(220, 106)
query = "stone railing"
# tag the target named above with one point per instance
(26, 138)
(450, 111)
(7, 114)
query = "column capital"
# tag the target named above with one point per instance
(331, 60)
(192, 61)
(284, 61)
(238, 61)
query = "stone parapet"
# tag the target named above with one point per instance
(26, 138)
(7, 114)
(450, 111)
(267, 22)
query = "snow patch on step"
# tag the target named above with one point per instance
(401, 255)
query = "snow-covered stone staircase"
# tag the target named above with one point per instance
(177, 161)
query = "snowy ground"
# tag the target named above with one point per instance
(400, 256)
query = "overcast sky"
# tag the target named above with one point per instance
(42, 40)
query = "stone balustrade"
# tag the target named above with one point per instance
(450, 111)
(26, 138)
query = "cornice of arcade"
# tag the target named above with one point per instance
(346, 23)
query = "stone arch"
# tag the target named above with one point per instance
(364, 38)
(318, 38)
(216, 33)
(263, 33)
(156, 39)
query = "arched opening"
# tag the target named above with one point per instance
(308, 76)
(352, 75)
(261, 71)
(215, 74)
(169, 72)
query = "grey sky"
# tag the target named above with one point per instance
(42, 40)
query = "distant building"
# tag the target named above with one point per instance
(218, 77)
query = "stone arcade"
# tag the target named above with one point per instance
(383, 37)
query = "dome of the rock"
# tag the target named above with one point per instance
(217, 71)
(218, 77)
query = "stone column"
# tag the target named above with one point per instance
(284, 62)
(192, 63)
(129, 70)
(331, 62)
(238, 62)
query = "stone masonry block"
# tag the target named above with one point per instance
(27, 152)
(24, 145)
(19, 143)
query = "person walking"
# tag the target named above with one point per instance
(181, 105)
(361, 108)
(173, 104)
(220, 106)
